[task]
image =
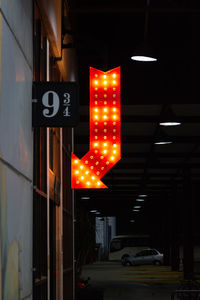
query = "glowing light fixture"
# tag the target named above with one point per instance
(170, 123)
(169, 118)
(163, 142)
(105, 131)
(162, 138)
(143, 58)
(144, 52)
(140, 200)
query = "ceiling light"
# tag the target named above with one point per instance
(85, 198)
(140, 200)
(136, 210)
(144, 52)
(170, 123)
(168, 118)
(163, 142)
(132, 221)
(142, 195)
(143, 58)
(93, 211)
(161, 138)
(137, 206)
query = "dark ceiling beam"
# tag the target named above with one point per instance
(136, 176)
(151, 179)
(82, 139)
(148, 184)
(151, 175)
(130, 9)
(119, 192)
(116, 193)
(149, 189)
(166, 181)
(113, 196)
(107, 192)
(161, 155)
(130, 200)
(158, 155)
(160, 166)
(147, 119)
(117, 200)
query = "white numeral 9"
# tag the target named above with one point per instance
(55, 104)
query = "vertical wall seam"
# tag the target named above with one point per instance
(0, 207)
(17, 41)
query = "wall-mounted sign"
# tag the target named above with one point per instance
(105, 131)
(55, 104)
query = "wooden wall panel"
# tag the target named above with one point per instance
(51, 15)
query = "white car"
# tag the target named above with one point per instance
(144, 257)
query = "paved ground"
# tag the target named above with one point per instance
(132, 283)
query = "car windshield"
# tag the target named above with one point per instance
(146, 252)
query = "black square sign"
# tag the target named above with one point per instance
(55, 104)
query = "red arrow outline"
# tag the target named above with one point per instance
(105, 131)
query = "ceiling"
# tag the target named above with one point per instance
(106, 33)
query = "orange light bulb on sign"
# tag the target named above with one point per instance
(105, 131)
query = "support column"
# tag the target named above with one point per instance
(188, 257)
(166, 223)
(175, 240)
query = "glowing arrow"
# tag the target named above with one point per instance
(105, 131)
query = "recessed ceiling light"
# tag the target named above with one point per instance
(137, 206)
(140, 200)
(142, 195)
(93, 211)
(85, 198)
(136, 210)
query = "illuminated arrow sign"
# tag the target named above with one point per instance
(105, 131)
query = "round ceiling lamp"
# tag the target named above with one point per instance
(143, 58)
(169, 118)
(143, 52)
(162, 138)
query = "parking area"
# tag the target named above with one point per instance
(126, 282)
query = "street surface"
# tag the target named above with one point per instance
(132, 283)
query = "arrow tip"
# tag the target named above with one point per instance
(81, 178)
